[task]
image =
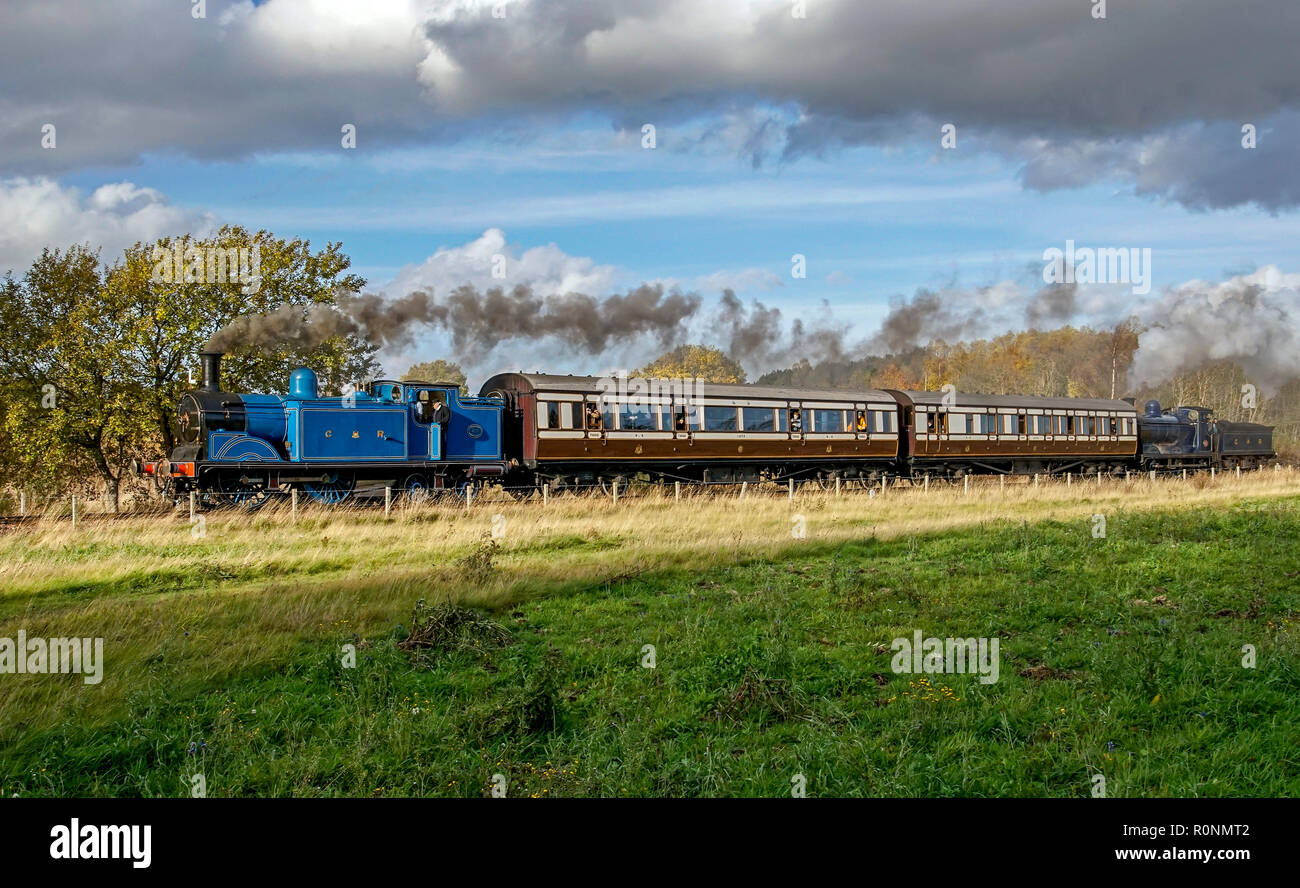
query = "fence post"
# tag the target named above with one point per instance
(1126, 476)
(1069, 479)
(837, 485)
(965, 485)
(613, 488)
(927, 480)
(677, 491)
(388, 501)
(790, 484)
(1211, 473)
(1184, 474)
(884, 482)
(1002, 482)
(1153, 476)
(293, 504)
(1035, 479)
(546, 493)
(744, 485)
(22, 504)
(193, 505)
(469, 494)
(1099, 477)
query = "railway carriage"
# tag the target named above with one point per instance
(580, 429)
(1014, 433)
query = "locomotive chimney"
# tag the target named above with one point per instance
(211, 371)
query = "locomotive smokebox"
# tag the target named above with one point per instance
(211, 371)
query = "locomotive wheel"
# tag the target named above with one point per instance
(332, 491)
(230, 491)
(416, 489)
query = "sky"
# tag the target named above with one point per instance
(919, 157)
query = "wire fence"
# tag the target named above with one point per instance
(371, 497)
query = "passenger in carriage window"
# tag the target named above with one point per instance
(796, 421)
(594, 421)
(862, 421)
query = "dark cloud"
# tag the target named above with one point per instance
(1153, 95)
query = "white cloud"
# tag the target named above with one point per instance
(741, 280)
(38, 213)
(547, 269)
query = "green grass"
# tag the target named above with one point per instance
(1120, 656)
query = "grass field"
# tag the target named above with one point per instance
(1120, 655)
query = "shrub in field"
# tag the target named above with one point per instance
(442, 628)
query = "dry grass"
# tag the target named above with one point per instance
(250, 586)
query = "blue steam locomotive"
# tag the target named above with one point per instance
(418, 437)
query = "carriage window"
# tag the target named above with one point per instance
(1085, 425)
(782, 420)
(548, 414)
(758, 419)
(957, 423)
(1114, 425)
(1069, 424)
(1006, 423)
(931, 423)
(1042, 425)
(665, 417)
(635, 418)
(719, 419)
(568, 420)
(828, 420)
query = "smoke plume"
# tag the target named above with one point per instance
(1250, 320)
(476, 321)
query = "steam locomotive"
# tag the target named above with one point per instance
(524, 430)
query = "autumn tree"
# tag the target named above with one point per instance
(694, 362)
(113, 348)
(437, 371)
(74, 403)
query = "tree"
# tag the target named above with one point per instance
(94, 359)
(694, 362)
(75, 403)
(437, 371)
(1123, 343)
(175, 314)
